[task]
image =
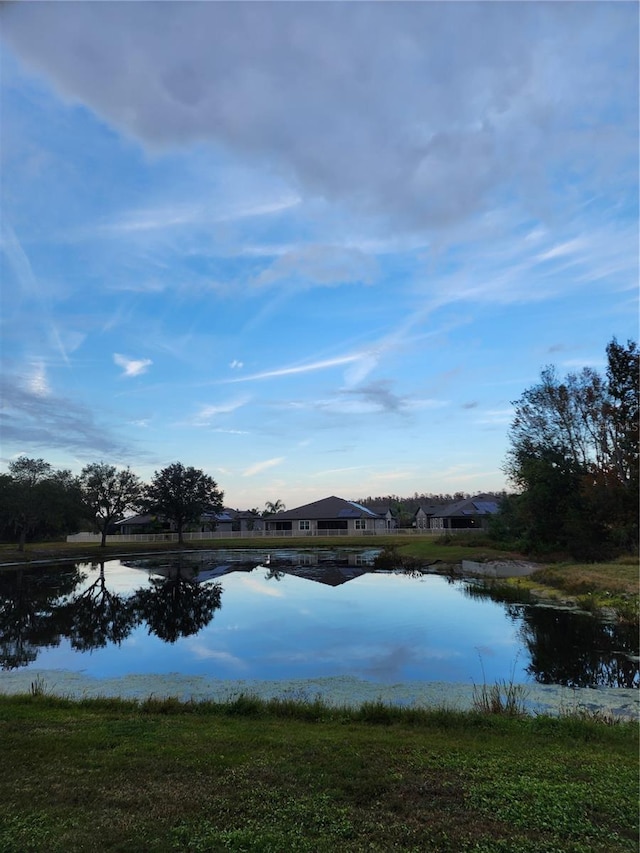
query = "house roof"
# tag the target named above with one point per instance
(327, 508)
(430, 509)
(479, 505)
(381, 509)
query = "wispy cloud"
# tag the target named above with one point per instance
(294, 370)
(37, 380)
(496, 416)
(132, 366)
(43, 420)
(332, 471)
(29, 285)
(324, 266)
(569, 247)
(201, 651)
(584, 362)
(375, 398)
(210, 412)
(160, 219)
(262, 466)
(262, 588)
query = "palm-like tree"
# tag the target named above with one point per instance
(275, 506)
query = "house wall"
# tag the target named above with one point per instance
(314, 527)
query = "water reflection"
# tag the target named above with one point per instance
(177, 605)
(39, 607)
(565, 646)
(294, 614)
(29, 611)
(97, 616)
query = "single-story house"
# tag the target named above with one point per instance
(145, 523)
(327, 516)
(223, 521)
(423, 515)
(471, 513)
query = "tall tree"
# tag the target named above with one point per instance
(574, 456)
(25, 497)
(274, 506)
(181, 494)
(109, 493)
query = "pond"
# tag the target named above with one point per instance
(308, 623)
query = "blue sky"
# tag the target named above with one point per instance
(311, 248)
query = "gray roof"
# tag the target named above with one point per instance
(327, 508)
(480, 505)
(430, 509)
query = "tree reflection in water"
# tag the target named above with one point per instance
(97, 616)
(29, 609)
(567, 647)
(38, 608)
(177, 606)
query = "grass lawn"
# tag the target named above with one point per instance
(593, 586)
(110, 775)
(422, 548)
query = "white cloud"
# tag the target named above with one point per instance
(262, 466)
(496, 416)
(376, 104)
(301, 368)
(235, 364)
(37, 380)
(210, 412)
(579, 363)
(570, 247)
(132, 366)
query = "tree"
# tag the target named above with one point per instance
(182, 494)
(274, 506)
(574, 457)
(109, 493)
(24, 498)
(36, 500)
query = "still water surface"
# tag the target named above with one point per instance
(243, 615)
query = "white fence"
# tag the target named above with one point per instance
(120, 538)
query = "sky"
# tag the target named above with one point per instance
(310, 248)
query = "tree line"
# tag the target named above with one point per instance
(37, 501)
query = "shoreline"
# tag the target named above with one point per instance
(336, 691)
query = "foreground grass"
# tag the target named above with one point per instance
(281, 776)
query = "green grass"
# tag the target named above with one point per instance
(277, 776)
(422, 548)
(593, 586)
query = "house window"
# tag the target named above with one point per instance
(304, 525)
(361, 523)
